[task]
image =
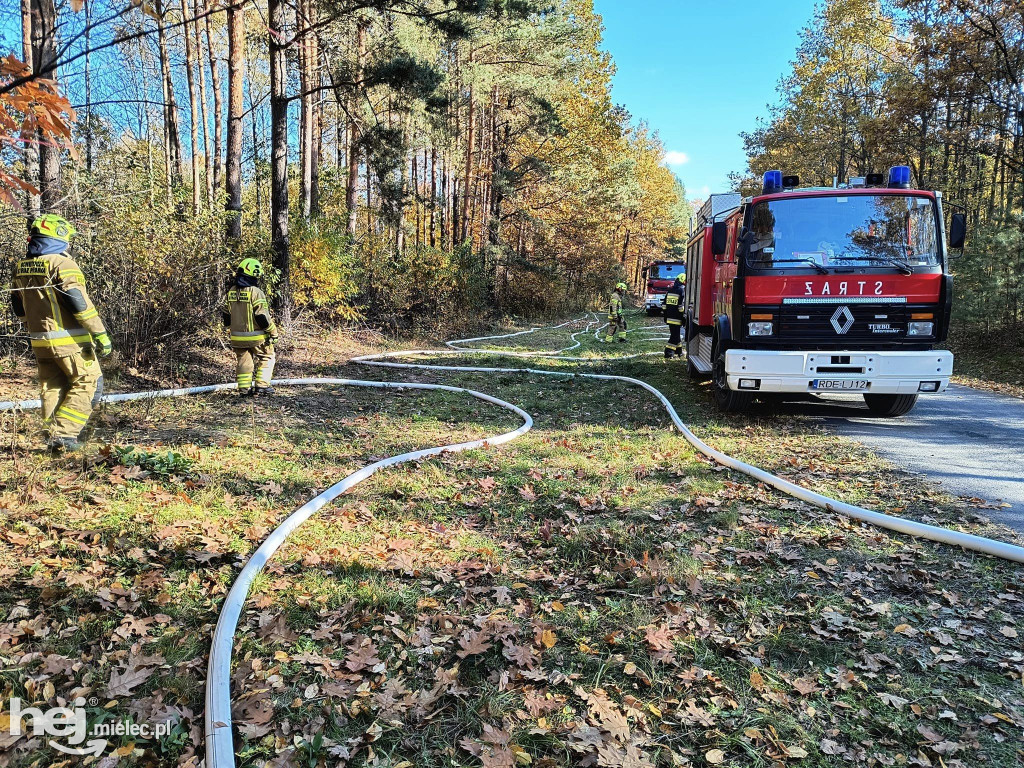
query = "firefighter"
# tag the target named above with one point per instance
(672, 311)
(616, 322)
(65, 330)
(253, 332)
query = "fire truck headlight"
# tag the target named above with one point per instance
(759, 329)
(920, 329)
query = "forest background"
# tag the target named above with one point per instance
(413, 164)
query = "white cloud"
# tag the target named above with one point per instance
(705, 191)
(676, 158)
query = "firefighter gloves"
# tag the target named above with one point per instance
(103, 345)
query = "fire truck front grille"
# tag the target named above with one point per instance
(830, 322)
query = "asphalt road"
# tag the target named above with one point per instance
(971, 442)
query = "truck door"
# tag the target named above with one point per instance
(725, 271)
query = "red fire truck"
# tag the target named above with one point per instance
(842, 289)
(660, 276)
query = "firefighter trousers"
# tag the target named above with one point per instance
(255, 366)
(616, 328)
(69, 388)
(674, 348)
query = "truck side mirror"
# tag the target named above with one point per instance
(719, 238)
(957, 230)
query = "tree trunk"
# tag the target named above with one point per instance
(88, 91)
(416, 197)
(257, 157)
(443, 200)
(500, 165)
(279, 157)
(44, 60)
(191, 63)
(203, 102)
(218, 106)
(433, 193)
(351, 198)
(468, 175)
(31, 152)
(316, 145)
(305, 110)
(236, 94)
(171, 129)
(340, 136)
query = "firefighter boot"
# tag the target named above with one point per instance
(674, 346)
(63, 445)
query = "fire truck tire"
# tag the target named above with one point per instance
(728, 400)
(890, 405)
(653, 311)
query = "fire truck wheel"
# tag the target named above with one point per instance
(890, 405)
(728, 400)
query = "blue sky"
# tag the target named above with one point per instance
(699, 72)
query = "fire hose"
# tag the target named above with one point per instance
(219, 740)
(220, 752)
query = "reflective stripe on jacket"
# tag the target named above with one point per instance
(49, 296)
(250, 320)
(672, 305)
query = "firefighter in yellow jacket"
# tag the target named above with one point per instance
(616, 322)
(253, 332)
(65, 330)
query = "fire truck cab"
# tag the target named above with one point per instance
(822, 290)
(660, 276)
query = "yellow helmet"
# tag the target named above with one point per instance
(52, 225)
(621, 287)
(251, 267)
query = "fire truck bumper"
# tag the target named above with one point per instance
(654, 300)
(852, 372)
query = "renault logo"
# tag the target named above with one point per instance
(842, 320)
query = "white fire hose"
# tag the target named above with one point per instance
(911, 527)
(219, 739)
(220, 750)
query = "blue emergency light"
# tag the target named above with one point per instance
(772, 182)
(899, 177)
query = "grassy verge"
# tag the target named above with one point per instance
(593, 594)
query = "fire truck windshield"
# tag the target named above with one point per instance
(836, 230)
(666, 271)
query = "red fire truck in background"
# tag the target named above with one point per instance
(840, 289)
(660, 276)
